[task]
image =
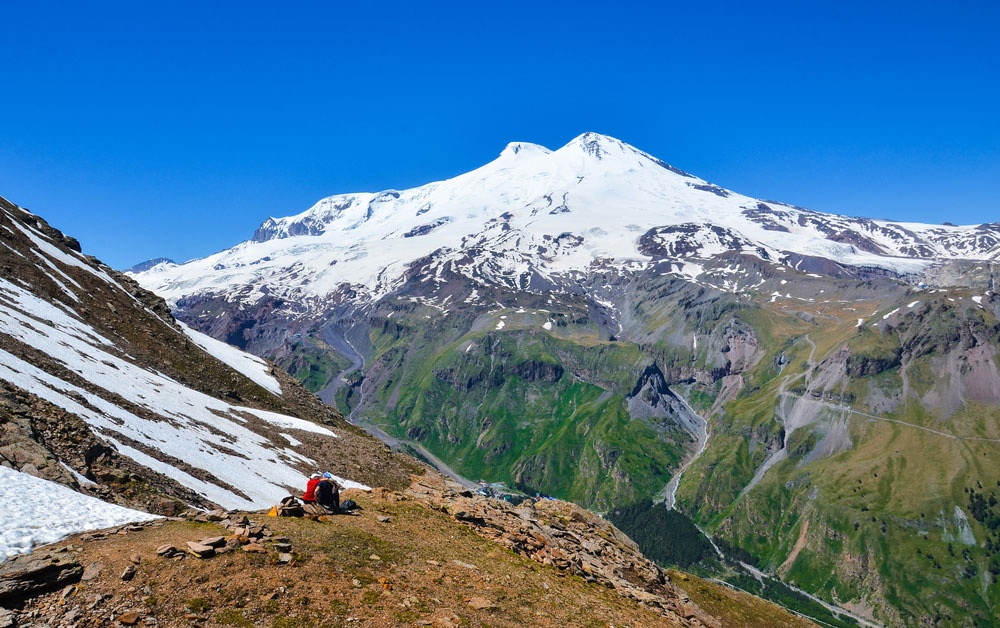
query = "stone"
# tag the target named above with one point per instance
(129, 573)
(383, 518)
(130, 618)
(200, 550)
(255, 548)
(27, 575)
(284, 558)
(8, 619)
(91, 571)
(167, 550)
(480, 603)
(282, 547)
(214, 541)
(136, 559)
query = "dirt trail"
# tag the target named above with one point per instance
(799, 544)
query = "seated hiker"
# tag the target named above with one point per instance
(310, 494)
(328, 492)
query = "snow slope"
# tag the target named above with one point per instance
(37, 512)
(250, 365)
(158, 412)
(228, 452)
(553, 213)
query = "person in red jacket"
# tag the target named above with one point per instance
(310, 494)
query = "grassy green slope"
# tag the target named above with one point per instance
(882, 521)
(542, 409)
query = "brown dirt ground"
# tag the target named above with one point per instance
(420, 568)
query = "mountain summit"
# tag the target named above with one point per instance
(534, 215)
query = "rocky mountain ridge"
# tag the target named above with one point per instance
(102, 390)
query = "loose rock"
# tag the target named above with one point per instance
(200, 550)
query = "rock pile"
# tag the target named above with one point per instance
(567, 537)
(252, 537)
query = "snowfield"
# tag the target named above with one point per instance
(37, 512)
(185, 424)
(551, 213)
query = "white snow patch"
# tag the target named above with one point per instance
(501, 325)
(294, 442)
(547, 326)
(253, 367)
(886, 317)
(861, 322)
(910, 306)
(37, 512)
(82, 479)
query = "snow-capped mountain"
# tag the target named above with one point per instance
(535, 217)
(101, 390)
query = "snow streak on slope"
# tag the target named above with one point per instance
(138, 408)
(253, 367)
(37, 512)
(548, 214)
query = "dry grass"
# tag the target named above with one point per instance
(420, 568)
(736, 608)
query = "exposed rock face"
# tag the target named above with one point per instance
(563, 535)
(24, 576)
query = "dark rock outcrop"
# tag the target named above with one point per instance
(27, 575)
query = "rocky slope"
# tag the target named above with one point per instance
(101, 390)
(433, 555)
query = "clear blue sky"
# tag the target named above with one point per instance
(172, 129)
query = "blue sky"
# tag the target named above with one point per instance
(150, 129)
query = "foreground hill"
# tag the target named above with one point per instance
(102, 390)
(425, 556)
(819, 391)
